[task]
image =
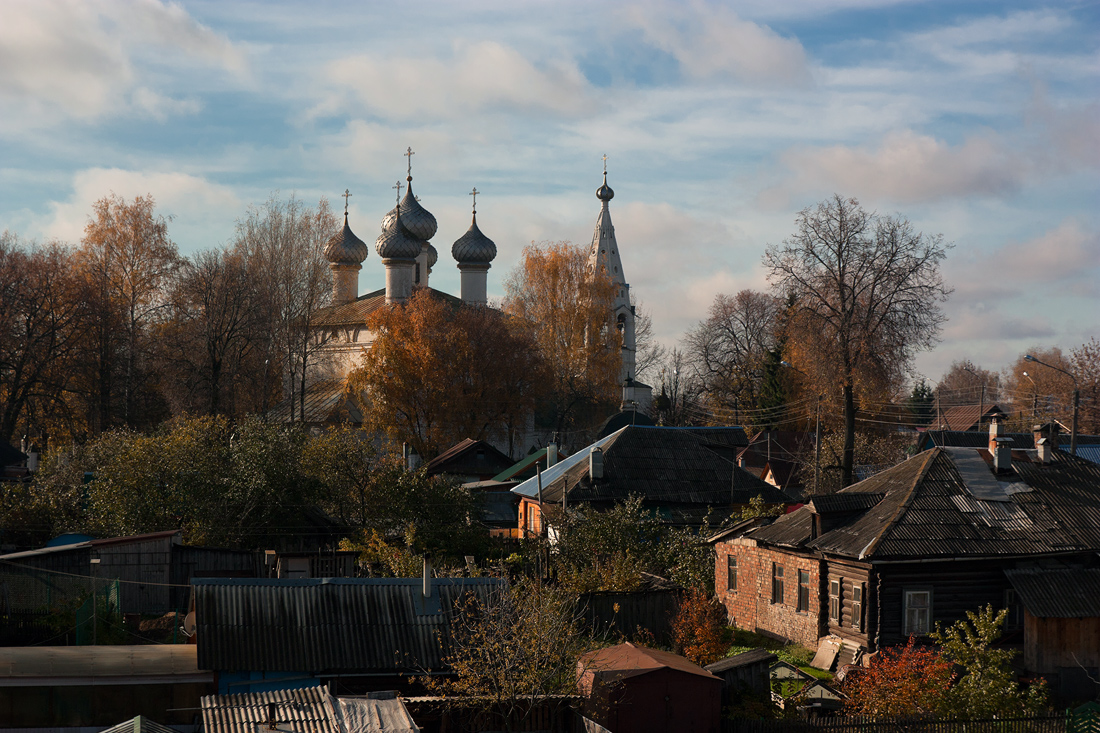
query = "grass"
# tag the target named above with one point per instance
(795, 654)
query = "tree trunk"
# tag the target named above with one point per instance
(849, 459)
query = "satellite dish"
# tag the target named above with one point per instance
(189, 624)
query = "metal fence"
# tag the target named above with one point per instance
(856, 724)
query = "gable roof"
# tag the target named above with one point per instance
(527, 465)
(307, 710)
(965, 417)
(327, 624)
(469, 456)
(627, 660)
(359, 310)
(663, 466)
(753, 656)
(939, 504)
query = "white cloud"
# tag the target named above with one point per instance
(480, 76)
(709, 40)
(77, 57)
(203, 212)
(160, 107)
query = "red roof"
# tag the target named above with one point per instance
(628, 660)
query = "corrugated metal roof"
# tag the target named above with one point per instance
(350, 625)
(965, 417)
(844, 502)
(303, 710)
(672, 469)
(325, 401)
(753, 656)
(928, 511)
(149, 660)
(140, 724)
(1061, 593)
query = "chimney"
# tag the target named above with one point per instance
(595, 464)
(551, 454)
(1044, 451)
(1000, 447)
(994, 433)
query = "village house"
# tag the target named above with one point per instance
(918, 544)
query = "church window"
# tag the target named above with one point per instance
(620, 322)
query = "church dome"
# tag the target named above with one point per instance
(605, 192)
(473, 247)
(418, 220)
(345, 248)
(433, 254)
(396, 243)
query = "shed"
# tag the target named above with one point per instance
(747, 672)
(1061, 626)
(632, 688)
(306, 710)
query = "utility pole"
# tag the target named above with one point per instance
(1076, 400)
(817, 448)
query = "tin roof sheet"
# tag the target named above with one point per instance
(753, 656)
(352, 625)
(1061, 593)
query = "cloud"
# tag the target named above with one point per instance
(199, 208)
(708, 40)
(477, 77)
(77, 57)
(160, 107)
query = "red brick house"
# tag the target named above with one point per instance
(923, 542)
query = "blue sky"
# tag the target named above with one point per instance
(980, 121)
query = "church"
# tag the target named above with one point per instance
(408, 256)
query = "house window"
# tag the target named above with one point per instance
(918, 612)
(777, 583)
(857, 606)
(731, 573)
(834, 602)
(803, 590)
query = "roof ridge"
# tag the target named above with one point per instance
(928, 461)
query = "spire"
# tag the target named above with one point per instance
(605, 251)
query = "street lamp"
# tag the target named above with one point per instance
(1076, 400)
(817, 431)
(1034, 396)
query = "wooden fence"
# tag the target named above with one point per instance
(857, 724)
(622, 614)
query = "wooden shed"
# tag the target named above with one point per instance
(1061, 626)
(748, 672)
(633, 689)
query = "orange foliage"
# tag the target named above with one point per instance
(699, 630)
(900, 681)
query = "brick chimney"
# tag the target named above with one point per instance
(1000, 447)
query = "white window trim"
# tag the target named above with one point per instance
(911, 629)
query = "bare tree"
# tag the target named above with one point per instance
(866, 292)
(1086, 366)
(649, 353)
(282, 241)
(728, 351)
(963, 384)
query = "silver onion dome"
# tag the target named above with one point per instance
(473, 247)
(418, 220)
(605, 192)
(433, 254)
(345, 248)
(396, 243)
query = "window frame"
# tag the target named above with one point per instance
(802, 603)
(731, 573)
(836, 607)
(909, 628)
(777, 583)
(859, 592)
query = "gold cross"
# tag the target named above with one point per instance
(347, 194)
(474, 193)
(409, 154)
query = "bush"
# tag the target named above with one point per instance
(699, 630)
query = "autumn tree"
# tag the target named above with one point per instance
(1086, 365)
(901, 681)
(729, 350)
(699, 628)
(211, 345)
(439, 371)
(866, 293)
(282, 244)
(42, 315)
(987, 686)
(516, 645)
(966, 383)
(568, 307)
(127, 260)
(1038, 392)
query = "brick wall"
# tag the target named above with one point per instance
(751, 607)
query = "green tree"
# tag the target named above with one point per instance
(920, 403)
(987, 687)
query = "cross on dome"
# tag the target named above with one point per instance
(399, 185)
(409, 154)
(474, 193)
(605, 164)
(347, 195)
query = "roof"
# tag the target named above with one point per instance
(780, 452)
(87, 544)
(351, 625)
(10, 456)
(1019, 441)
(627, 660)
(623, 418)
(948, 503)
(525, 465)
(140, 724)
(326, 401)
(359, 310)
(672, 469)
(965, 417)
(469, 457)
(35, 664)
(307, 710)
(1061, 593)
(753, 656)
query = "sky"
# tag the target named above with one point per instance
(977, 121)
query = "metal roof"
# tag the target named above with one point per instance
(629, 660)
(140, 724)
(1061, 593)
(753, 656)
(669, 468)
(929, 511)
(307, 710)
(349, 625)
(359, 310)
(325, 401)
(965, 417)
(20, 664)
(469, 456)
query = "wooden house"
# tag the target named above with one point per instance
(744, 673)
(469, 460)
(920, 543)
